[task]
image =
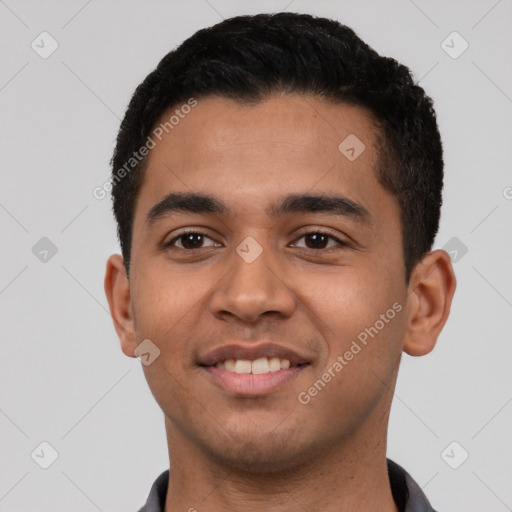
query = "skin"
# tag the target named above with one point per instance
(271, 452)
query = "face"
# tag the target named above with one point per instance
(264, 273)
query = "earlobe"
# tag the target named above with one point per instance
(117, 290)
(431, 291)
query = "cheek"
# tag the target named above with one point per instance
(348, 299)
(164, 301)
(364, 354)
(360, 316)
(166, 307)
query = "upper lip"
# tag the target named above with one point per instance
(250, 352)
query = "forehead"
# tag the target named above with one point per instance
(302, 122)
(251, 154)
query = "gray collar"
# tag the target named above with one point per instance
(406, 492)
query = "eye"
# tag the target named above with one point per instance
(189, 240)
(318, 240)
(194, 240)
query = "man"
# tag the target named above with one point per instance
(277, 187)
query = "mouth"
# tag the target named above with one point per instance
(259, 366)
(252, 371)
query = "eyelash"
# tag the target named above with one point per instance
(327, 233)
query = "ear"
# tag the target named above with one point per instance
(117, 290)
(431, 290)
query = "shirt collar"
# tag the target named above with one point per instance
(406, 492)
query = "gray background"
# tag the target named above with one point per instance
(64, 379)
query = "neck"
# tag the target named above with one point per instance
(348, 477)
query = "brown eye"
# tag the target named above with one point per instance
(316, 240)
(189, 241)
(319, 240)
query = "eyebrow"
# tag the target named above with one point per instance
(197, 203)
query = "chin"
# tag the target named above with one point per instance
(261, 458)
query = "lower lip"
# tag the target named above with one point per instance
(249, 384)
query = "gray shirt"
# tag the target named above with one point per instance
(407, 493)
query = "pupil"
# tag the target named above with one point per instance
(317, 237)
(190, 238)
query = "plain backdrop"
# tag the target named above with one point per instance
(63, 378)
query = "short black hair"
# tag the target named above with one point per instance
(247, 59)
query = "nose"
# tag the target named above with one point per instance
(251, 289)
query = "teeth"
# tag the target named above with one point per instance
(242, 366)
(275, 364)
(258, 366)
(285, 364)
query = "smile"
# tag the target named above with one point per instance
(253, 378)
(256, 367)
